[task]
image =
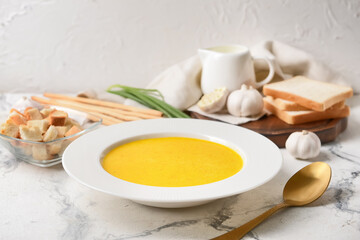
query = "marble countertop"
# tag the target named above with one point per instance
(45, 203)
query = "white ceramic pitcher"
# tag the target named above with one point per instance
(229, 66)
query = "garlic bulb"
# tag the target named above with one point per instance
(245, 102)
(303, 145)
(214, 101)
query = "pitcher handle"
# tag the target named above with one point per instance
(270, 75)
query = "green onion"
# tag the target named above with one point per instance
(148, 98)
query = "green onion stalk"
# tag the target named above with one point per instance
(148, 98)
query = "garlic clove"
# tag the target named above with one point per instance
(214, 101)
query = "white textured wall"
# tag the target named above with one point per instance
(68, 45)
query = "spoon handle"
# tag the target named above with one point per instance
(239, 232)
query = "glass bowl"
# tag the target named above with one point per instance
(46, 154)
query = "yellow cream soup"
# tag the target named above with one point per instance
(172, 162)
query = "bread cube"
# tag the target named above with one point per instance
(30, 133)
(73, 130)
(17, 111)
(41, 124)
(55, 147)
(66, 143)
(32, 114)
(51, 134)
(70, 123)
(17, 117)
(10, 129)
(25, 148)
(61, 131)
(45, 112)
(58, 118)
(39, 152)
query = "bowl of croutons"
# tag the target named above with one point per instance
(40, 136)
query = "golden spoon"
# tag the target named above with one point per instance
(304, 187)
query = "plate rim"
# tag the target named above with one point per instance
(160, 123)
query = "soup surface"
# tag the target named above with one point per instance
(172, 162)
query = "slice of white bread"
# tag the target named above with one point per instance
(286, 105)
(297, 117)
(315, 95)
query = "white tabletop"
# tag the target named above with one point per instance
(45, 203)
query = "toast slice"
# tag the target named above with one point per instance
(314, 95)
(286, 105)
(297, 117)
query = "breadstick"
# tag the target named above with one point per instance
(87, 108)
(105, 104)
(106, 120)
(108, 111)
(122, 112)
(112, 110)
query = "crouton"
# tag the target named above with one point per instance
(71, 122)
(30, 133)
(17, 111)
(51, 134)
(73, 130)
(25, 148)
(32, 114)
(45, 112)
(39, 152)
(41, 124)
(55, 147)
(58, 118)
(61, 131)
(10, 129)
(17, 118)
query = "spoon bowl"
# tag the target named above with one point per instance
(304, 187)
(307, 185)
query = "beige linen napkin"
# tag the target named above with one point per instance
(180, 83)
(290, 61)
(225, 117)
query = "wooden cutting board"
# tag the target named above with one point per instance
(278, 131)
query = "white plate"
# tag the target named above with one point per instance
(262, 160)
